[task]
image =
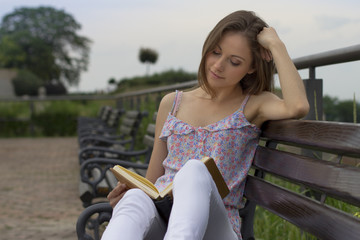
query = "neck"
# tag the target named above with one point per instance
(222, 95)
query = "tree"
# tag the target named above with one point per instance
(112, 84)
(26, 83)
(342, 111)
(11, 54)
(330, 108)
(346, 110)
(148, 56)
(46, 43)
(55, 89)
(112, 81)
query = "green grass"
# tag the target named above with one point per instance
(269, 226)
(45, 118)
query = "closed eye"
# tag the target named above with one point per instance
(215, 52)
(234, 64)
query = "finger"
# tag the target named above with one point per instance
(117, 190)
(268, 55)
(115, 200)
(262, 30)
(263, 54)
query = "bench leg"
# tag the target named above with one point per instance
(85, 221)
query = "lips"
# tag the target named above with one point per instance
(214, 75)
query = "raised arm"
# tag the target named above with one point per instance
(294, 103)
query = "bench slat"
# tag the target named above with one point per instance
(129, 122)
(319, 220)
(151, 129)
(126, 130)
(339, 181)
(148, 141)
(132, 114)
(340, 138)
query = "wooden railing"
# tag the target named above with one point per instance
(313, 85)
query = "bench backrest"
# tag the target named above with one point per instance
(130, 125)
(113, 118)
(148, 140)
(105, 113)
(310, 165)
(96, 178)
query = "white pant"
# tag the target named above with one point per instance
(198, 211)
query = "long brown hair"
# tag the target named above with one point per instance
(249, 25)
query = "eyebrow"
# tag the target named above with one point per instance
(232, 54)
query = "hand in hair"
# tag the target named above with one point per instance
(268, 38)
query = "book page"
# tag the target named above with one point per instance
(134, 180)
(167, 191)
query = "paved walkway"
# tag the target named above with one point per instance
(39, 188)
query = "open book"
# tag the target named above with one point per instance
(133, 180)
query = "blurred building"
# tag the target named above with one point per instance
(6, 86)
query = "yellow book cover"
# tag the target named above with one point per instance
(134, 180)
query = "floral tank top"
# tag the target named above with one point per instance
(231, 142)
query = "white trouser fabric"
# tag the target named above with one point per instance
(198, 211)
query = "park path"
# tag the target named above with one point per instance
(39, 188)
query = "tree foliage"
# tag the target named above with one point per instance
(11, 54)
(157, 79)
(148, 56)
(44, 41)
(26, 83)
(112, 81)
(341, 111)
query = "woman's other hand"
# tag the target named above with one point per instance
(117, 193)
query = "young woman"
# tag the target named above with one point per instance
(221, 119)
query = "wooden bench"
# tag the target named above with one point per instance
(96, 180)
(102, 116)
(99, 145)
(313, 154)
(106, 122)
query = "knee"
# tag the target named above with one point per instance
(134, 199)
(193, 171)
(135, 194)
(193, 166)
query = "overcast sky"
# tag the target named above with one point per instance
(177, 30)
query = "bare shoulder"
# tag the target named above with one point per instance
(257, 101)
(165, 106)
(255, 110)
(265, 96)
(167, 102)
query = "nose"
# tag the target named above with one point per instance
(219, 65)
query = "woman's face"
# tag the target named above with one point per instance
(229, 62)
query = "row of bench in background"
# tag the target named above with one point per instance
(100, 150)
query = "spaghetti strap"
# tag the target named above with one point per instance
(244, 102)
(176, 103)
